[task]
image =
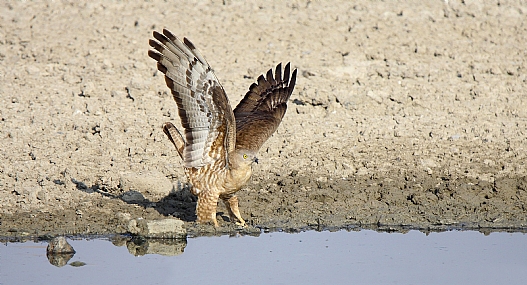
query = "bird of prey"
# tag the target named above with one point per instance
(218, 145)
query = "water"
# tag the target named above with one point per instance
(363, 257)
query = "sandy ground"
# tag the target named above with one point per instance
(406, 114)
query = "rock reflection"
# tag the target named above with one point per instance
(59, 251)
(139, 246)
(59, 259)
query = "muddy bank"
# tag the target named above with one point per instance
(405, 114)
(297, 203)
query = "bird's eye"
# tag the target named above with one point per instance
(244, 156)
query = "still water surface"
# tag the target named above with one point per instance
(357, 257)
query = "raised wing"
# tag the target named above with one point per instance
(260, 112)
(203, 106)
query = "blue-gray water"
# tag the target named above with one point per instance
(364, 257)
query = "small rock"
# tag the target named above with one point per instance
(107, 64)
(428, 163)
(362, 171)
(454, 137)
(31, 193)
(132, 197)
(374, 96)
(488, 177)
(123, 217)
(77, 263)
(32, 70)
(137, 83)
(59, 245)
(322, 179)
(166, 228)
(489, 162)
(348, 167)
(495, 70)
(88, 89)
(59, 251)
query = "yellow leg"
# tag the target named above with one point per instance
(231, 202)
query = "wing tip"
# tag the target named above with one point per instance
(292, 82)
(168, 34)
(154, 55)
(269, 77)
(188, 43)
(278, 73)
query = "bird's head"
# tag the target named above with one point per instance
(243, 158)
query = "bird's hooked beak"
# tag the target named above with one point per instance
(255, 159)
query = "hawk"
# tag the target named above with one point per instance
(218, 145)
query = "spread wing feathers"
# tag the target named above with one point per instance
(260, 112)
(204, 109)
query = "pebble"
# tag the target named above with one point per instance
(132, 197)
(33, 70)
(88, 89)
(59, 245)
(165, 228)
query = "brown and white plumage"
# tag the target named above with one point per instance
(218, 145)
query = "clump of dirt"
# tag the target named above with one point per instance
(404, 115)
